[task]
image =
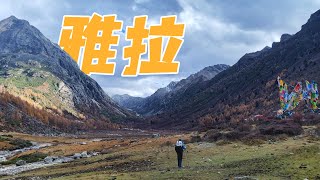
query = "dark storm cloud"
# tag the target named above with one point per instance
(217, 31)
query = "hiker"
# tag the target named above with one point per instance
(180, 147)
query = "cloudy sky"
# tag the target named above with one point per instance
(217, 31)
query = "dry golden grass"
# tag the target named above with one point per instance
(155, 158)
(5, 145)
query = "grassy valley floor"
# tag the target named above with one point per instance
(155, 158)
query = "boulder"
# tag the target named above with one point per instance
(77, 156)
(96, 140)
(84, 154)
(303, 166)
(2, 159)
(21, 162)
(63, 160)
(156, 135)
(92, 153)
(66, 159)
(48, 160)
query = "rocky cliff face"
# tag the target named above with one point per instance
(40, 73)
(157, 102)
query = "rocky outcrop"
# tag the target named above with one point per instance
(285, 37)
(21, 162)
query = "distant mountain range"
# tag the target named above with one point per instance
(245, 89)
(159, 101)
(42, 88)
(40, 73)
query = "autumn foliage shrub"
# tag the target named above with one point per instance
(288, 127)
(297, 117)
(244, 128)
(317, 130)
(195, 138)
(214, 135)
(254, 139)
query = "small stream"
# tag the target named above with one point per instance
(4, 155)
(13, 169)
(48, 161)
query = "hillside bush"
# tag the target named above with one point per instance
(287, 127)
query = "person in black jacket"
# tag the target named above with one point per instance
(180, 147)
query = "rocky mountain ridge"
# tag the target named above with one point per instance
(249, 87)
(39, 72)
(156, 103)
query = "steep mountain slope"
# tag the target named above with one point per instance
(39, 72)
(157, 102)
(127, 101)
(248, 87)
